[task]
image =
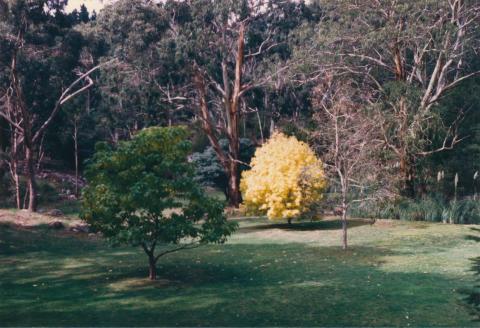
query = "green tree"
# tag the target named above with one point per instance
(84, 16)
(143, 193)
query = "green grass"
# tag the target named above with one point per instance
(394, 274)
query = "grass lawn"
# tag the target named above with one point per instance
(395, 273)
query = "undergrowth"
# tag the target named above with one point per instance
(431, 209)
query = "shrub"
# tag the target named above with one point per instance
(142, 193)
(209, 171)
(465, 211)
(285, 180)
(431, 209)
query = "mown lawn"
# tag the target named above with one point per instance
(395, 274)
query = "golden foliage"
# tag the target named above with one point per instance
(285, 179)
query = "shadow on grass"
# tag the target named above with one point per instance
(472, 295)
(18, 240)
(473, 238)
(305, 226)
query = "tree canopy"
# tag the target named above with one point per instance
(142, 193)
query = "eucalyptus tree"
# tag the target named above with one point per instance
(233, 50)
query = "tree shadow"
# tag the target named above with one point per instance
(473, 238)
(32, 237)
(472, 295)
(305, 226)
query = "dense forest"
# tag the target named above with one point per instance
(387, 93)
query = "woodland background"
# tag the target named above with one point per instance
(387, 93)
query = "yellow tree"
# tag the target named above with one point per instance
(285, 180)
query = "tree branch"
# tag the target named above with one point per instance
(186, 246)
(66, 95)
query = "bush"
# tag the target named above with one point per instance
(208, 170)
(285, 180)
(465, 211)
(142, 193)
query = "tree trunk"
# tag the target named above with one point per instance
(410, 181)
(344, 226)
(14, 169)
(234, 194)
(232, 103)
(41, 154)
(75, 140)
(407, 169)
(31, 181)
(152, 271)
(16, 181)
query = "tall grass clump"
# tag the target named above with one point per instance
(430, 209)
(466, 211)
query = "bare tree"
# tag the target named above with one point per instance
(75, 148)
(347, 135)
